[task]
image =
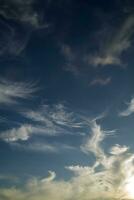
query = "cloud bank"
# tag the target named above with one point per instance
(110, 177)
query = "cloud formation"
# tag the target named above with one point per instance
(47, 120)
(111, 50)
(129, 110)
(111, 177)
(11, 91)
(54, 118)
(12, 135)
(93, 144)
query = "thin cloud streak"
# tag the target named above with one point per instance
(100, 81)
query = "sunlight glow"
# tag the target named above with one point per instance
(130, 188)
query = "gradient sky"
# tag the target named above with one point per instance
(66, 99)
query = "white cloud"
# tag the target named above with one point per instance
(79, 170)
(112, 49)
(129, 110)
(11, 91)
(117, 149)
(46, 121)
(87, 184)
(25, 132)
(22, 133)
(51, 177)
(55, 118)
(92, 144)
(113, 179)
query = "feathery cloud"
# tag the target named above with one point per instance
(55, 117)
(11, 91)
(46, 121)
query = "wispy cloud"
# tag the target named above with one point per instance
(129, 110)
(11, 91)
(93, 143)
(111, 50)
(26, 131)
(54, 116)
(8, 177)
(47, 120)
(100, 81)
(112, 179)
(42, 147)
(25, 19)
(21, 11)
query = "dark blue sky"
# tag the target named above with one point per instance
(66, 98)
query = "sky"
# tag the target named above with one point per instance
(66, 99)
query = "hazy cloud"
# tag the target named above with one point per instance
(25, 19)
(100, 81)
(129, 110)
(42, 146)
(111, 50)
(71, 59)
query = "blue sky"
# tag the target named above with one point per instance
(66, 99)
